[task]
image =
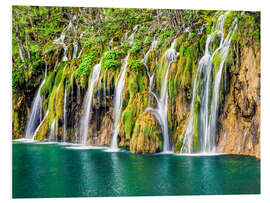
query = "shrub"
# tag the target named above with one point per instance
(135, 65)
(88, 60)
(111, 59)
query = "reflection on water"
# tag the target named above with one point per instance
(55, 171)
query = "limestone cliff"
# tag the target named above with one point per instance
(239, 121)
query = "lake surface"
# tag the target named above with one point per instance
(52, 170)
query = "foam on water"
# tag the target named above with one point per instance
(49, 142)
(83, 147)
(201, 154)
(24, 140)
(112, 150)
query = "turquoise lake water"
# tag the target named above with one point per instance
(51, 170)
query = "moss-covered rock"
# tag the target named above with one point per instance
(147, 135)
(135, 107)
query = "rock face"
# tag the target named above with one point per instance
(239, 122)
(106, 130)
(147, 135)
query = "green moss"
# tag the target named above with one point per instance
(136, 65)
(128, 121)
(147, 41)
(43, 130)
(216, 62)
(58, 76)
(180, 137)
(150, 61)
(110, 63)
(47, 87)
(15, 119)
(163, 36)
(136, 105)
(111, 60)
(137, 45)
(59, 103)
(147, 135)
(88, 60)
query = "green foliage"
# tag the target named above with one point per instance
(135, 65)
(113, 54)
(137, 45)
(89, 59)
(111, 60)
(163, 36)
(249, 26)
(110, 63)
(16, 78)
(147, 41)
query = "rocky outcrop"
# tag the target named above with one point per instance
(239, 122)
(147, 135)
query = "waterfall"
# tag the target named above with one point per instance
(87, 104)
(161, 112)
(223, 54)
(208, 109)
(75, 49)
(47, 113)
(77, 124)
(65, 114)
(60, 40)
(131, 37)
(151, 77)
(52, 136)
(104, 88)
(36, 112)
(118, 99)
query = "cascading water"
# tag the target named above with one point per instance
(88, 103)
(104, 89)
(75, 49)
(151, 77)
(61, 39)
(131, 37)
(47, 113)
(161, 112)
(36, 130)
(118, 99)
(208, 108)
(65, 114)
(215, 100)
(118, 104)
(52, 136)
(36, 112)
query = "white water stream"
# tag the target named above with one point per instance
(161, 112)
(88, 103)
(36, 112)
(209, 104)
